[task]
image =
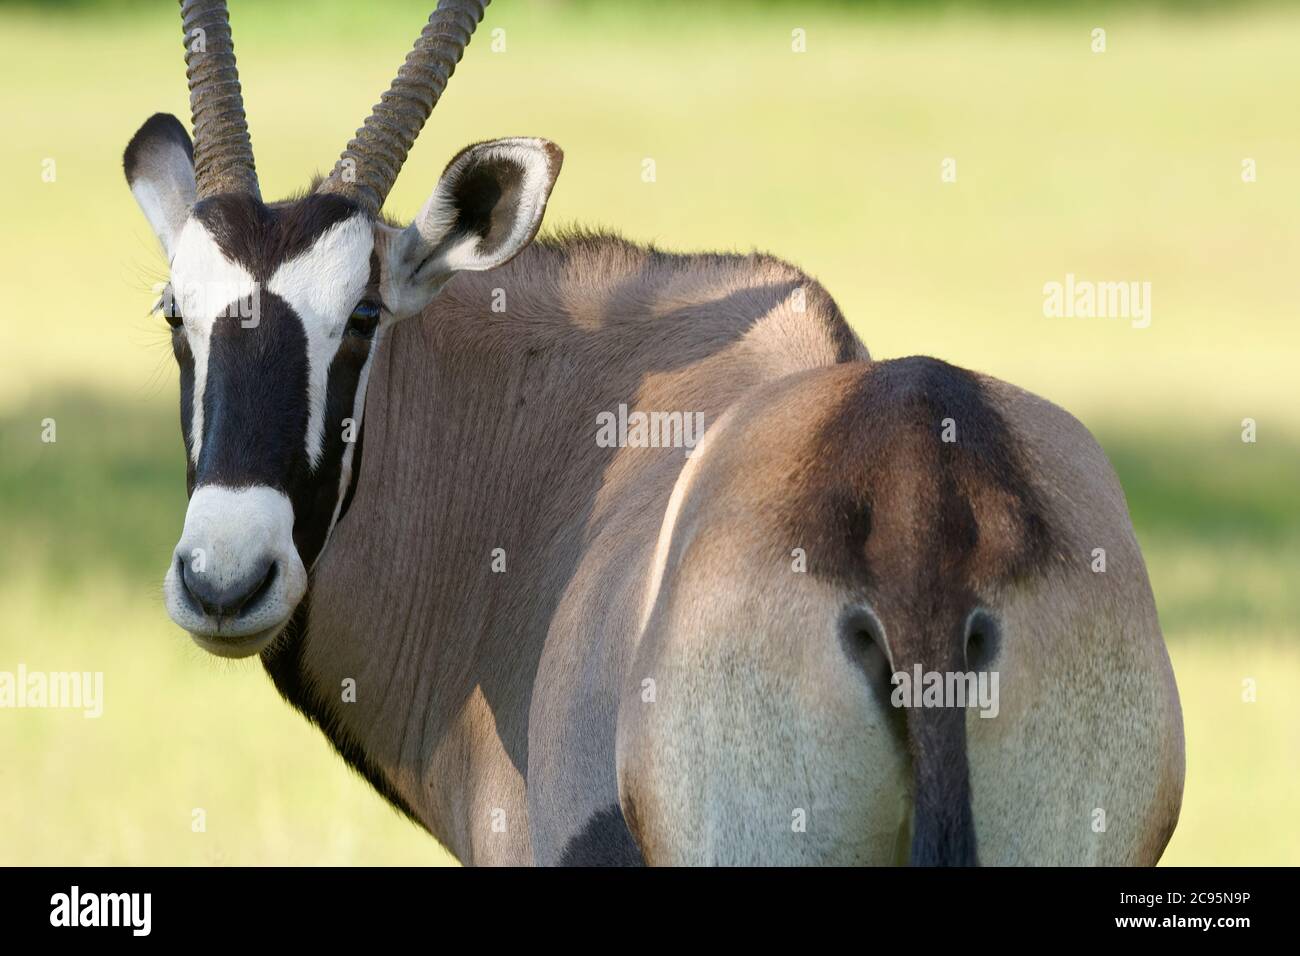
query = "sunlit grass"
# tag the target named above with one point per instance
(180, 732)
(1243, 759)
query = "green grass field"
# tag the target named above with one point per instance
(1117, 166)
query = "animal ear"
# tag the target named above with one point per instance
(486, 207)
(159, 165)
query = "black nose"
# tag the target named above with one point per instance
(229, 600)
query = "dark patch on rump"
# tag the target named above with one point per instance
(920, 529)
(604, 840)
(888, 430)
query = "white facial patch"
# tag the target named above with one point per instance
(323, 286)
(204, 284)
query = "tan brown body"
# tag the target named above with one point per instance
(653, 675)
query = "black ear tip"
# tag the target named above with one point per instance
(157, 129)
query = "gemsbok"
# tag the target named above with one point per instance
(551, 649)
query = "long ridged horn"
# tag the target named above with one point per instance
(223, 152)
(369, 166)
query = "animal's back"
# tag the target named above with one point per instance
(630, 310)
(671, 649)
(481, 439)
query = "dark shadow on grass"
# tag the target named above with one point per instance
(1208, 487)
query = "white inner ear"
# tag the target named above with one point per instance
(164, 188)
(323, 285)
(438, 217)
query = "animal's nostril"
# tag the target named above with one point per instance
(228, 600)
(983, 639)
(264, 586)
(199, 587)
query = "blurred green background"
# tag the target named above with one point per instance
(1122, 165)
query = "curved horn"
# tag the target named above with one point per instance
(369, 166)
(223, 153)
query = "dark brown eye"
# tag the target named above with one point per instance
(364, 319)
(169, 308)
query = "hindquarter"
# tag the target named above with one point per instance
(772, 737)
(1085, 763)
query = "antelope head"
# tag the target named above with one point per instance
(276, 310)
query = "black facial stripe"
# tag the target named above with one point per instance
(314, 500)
(256, 403)
(356, 468)
(255, 406)
(185, 359)
(261, 237)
